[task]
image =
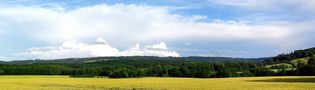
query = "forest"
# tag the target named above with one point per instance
(140, 66)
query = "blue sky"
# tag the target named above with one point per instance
(52, 29)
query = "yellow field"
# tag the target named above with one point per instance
(66, 83)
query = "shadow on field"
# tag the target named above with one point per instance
(292, 80)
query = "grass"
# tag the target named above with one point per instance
(245, 83)
(290, 67)
(285, 64)
(294, 62)
(301, 60)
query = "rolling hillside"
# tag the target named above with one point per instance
(100, 59)
(291, 61)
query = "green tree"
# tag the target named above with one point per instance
(120, 73)
(1, 72)
(311, 61)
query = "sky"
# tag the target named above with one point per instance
(54, 29)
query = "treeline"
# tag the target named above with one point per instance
(197, 67)
(149, 58)
(140, 68)
(308, 69)
(153, 68)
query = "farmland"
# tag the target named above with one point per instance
(153, 83)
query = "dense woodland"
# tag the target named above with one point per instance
(198, 67)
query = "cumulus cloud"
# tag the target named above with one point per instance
(100, 48)
(161, 45)
(124, 24)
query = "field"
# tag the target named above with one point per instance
(66, 83)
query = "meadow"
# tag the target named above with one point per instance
(154, 83)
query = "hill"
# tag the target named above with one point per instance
(299, 62)
(118, 67)
(152, 58)
(294, 56)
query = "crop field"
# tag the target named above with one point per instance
(67, 83)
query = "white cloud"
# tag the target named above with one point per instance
(130, 23)
(73, 49)
(3, 58)
(123, 24)
(293, 5)
(159, 49)
(161, 45)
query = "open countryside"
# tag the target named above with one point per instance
(157, 45)
(154, 83)
(292, 71)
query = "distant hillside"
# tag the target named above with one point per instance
(124, 67)
(300, 63)
(293, 57)
(100, 59)
(296, 62)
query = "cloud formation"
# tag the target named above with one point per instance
(100, 48)
(289, 6)
(132, 23)
(126, 24)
